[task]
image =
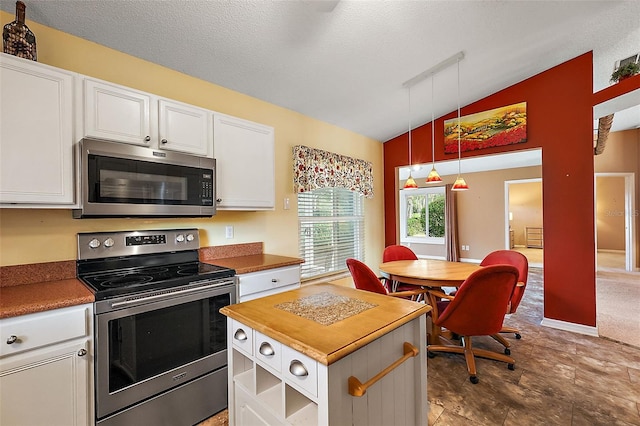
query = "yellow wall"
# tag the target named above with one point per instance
(38, 235)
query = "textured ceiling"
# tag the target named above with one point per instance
(344, 62)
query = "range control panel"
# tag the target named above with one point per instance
(97, 245)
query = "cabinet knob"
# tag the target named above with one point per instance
(274, 280)
(82, 352)
(163, 141)
(12, 339)
(240, 334)
(147, 139)
(297, 368)
(266, 349)
(218, 200)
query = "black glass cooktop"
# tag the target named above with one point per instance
(123, 276)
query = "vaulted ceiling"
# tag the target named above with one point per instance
(344, 62)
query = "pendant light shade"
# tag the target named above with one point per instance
(459, 184)
(434, 176)
(410, 183)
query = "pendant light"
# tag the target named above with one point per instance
(459, 184)
(434, 176)
(410, 183)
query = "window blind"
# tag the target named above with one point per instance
(331, 226)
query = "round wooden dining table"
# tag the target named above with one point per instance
(429, 273)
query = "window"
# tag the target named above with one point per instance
(416, 226)
(331, 225)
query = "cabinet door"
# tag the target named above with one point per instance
(49, 386)
(184, 128)
(244, 152)
(36, 133)
(116, 113)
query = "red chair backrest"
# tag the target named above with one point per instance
(364, 278)
(514, 258)
(397, 252)
(481, 301)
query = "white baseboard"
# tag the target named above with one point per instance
(570, 326)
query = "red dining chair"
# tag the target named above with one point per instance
(519, 260)
(398, 252)
(365, 279)
(478, 309)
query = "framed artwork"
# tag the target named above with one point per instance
(497, 127)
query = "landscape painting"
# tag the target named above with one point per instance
(497, 127)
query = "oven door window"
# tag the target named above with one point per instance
(117, 180)
(146, 344)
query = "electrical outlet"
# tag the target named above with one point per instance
(286, 204)
(228, 231)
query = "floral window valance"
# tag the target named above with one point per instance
(314, 169)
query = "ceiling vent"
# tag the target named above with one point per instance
(631, 59)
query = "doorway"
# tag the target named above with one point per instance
(615, 236)
(523, 219)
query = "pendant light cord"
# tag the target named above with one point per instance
(459, 128)
(433, 127)
(410, 163)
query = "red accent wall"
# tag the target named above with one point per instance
(560, 118)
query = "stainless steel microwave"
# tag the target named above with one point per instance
(120, 180)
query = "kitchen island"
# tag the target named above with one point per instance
(327, 355)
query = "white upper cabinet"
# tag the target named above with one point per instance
(116, 113)
(244, 153)
(126, 115)
(36, 134)
(184, 127)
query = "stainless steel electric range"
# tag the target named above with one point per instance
(160, 340)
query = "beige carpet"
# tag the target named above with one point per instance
(617, 295)
(618, 306)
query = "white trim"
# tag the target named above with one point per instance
(570, 326)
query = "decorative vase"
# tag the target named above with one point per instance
(17, 38)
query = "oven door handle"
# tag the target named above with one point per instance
(164, 294)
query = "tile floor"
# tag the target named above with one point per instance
(561, 378)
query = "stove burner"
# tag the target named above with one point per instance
(188, 269)
(127, 280)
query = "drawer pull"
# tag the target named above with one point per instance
(164, 141)
(240, 335)
(266, 349)
(82, 352)
(274, 280)
(147, 139)
(358, 389)
(12, 339)
(297, 368)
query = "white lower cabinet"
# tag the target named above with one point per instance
(282, 386)
(46, 368)
(264, 283)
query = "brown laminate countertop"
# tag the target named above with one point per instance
(38, 287)
(255, 262)
(43, 296)
(278, 316)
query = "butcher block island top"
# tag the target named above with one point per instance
(325, 321)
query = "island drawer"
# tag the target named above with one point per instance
(242, 337)
(300, 371)
(32, 331)
(268, 351)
